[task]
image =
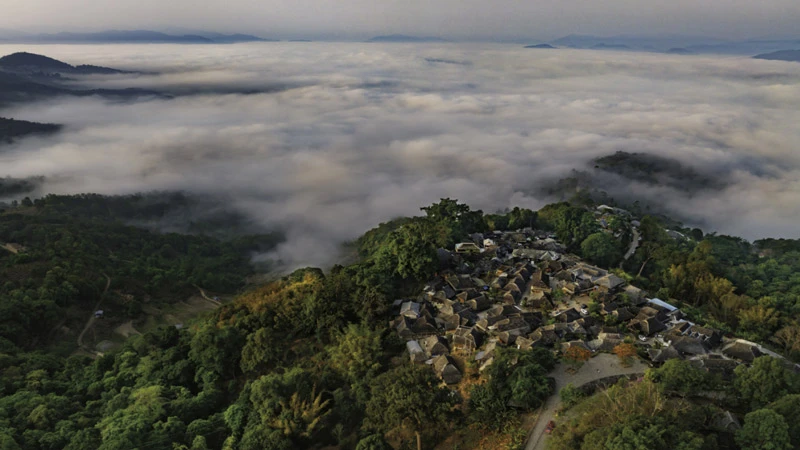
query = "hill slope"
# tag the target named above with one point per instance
(781, 55)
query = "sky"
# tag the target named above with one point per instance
(452, 19)
(340, 137)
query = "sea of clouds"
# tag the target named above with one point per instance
(326, 140)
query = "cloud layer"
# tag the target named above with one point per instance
(344, 136)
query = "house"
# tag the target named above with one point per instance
(467, 339)
(543, 337)
(445, 367)
(741, 351)
(648, 326)
(415, 352)
(688, 345)
(467, 248)
(538, 300)
(661, 305)
(662, 355)
(410, 310)
(434, 346)
(717, 365)
(489, 243)
(609, 282)
(569, 315)
(633, 293)
(98, 314)
(485, 356)
(711, 336)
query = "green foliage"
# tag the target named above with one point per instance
(631, 416)
(570, 395)
(763, 429)
(602, 249)
(515, 380)
(455, 219)
(765, 381)
(679, 376)
(373, 442)
(408, 396)
(789, 408)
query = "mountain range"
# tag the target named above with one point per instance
(130, 36)
(405, 38)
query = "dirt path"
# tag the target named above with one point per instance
(203, 294)
(601, 366)
(92, 318)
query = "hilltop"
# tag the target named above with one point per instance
(781, 55)
(543, 46)
(405, 38)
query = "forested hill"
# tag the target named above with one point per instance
(11, 129)
(309, 361)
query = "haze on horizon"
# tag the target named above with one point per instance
(451, 19)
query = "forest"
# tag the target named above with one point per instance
(309, 361)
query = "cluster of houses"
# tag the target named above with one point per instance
(522, 289)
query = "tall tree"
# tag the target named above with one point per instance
(764, 429)
(408, 396)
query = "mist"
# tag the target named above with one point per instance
(327, 140)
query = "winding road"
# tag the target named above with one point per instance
(601, 366)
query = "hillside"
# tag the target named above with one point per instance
(11, 129)
(31, 63)
(781, 55)
(311, 360)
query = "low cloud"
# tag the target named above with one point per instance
(334, 138)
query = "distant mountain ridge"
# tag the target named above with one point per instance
(781, 55)
(543, 46)
(137, 36)
(31, 63)
(405, 38)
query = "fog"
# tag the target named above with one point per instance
(340, 137)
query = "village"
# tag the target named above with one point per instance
(522, 289)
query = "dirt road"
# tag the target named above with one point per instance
(601, 366)
(92, 318)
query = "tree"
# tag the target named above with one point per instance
(625, 352)
(357, 353)
(456, 219)
(679, 376)
(788, 337)
(408, 396)
(765, 381)
(577, 355)
(764, 429)
(373, 442)
(570, 395)
(601, 249)
(573, 225)
(789, 407)
(410, 251)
